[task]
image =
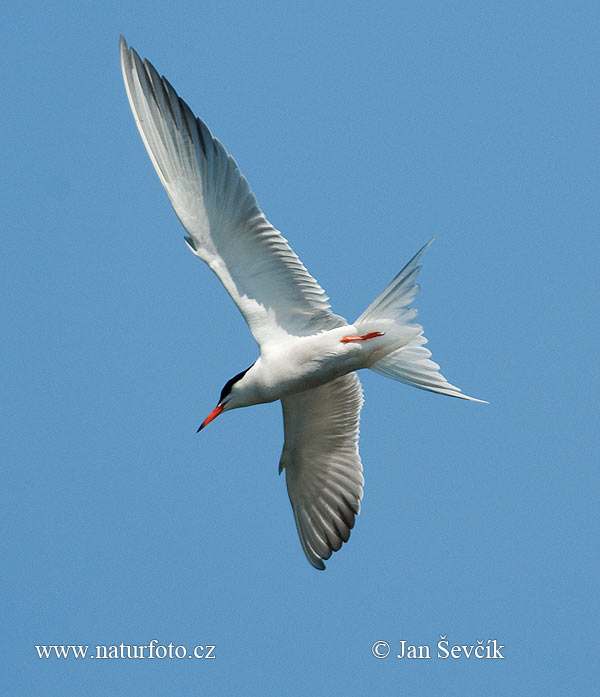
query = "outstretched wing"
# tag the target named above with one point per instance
(212, 199)
(322, 464)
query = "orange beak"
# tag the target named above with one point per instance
(213, 415)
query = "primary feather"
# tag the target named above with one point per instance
(212, 199)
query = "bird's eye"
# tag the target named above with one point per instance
(230, 383)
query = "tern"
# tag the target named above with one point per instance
(308, 356)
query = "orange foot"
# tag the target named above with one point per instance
(364, 337)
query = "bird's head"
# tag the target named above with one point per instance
(233, 396)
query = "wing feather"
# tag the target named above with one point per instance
(322, 464)
(212, 199)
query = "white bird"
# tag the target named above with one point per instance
(308, 355)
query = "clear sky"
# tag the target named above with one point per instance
(364, 130)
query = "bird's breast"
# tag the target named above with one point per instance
(302, 363)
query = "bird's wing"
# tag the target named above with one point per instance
(269, 284)
(322, 464)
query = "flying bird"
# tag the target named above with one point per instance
(308, 356)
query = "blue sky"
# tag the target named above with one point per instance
(364, 129)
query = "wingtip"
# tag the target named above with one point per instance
(125, 53)
(128, 53)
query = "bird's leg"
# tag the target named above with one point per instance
(364, 337)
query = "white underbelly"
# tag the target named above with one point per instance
(306, 362)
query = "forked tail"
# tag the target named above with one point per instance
(411, 363)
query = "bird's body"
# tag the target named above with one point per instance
(308, 355)
(301, 363)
